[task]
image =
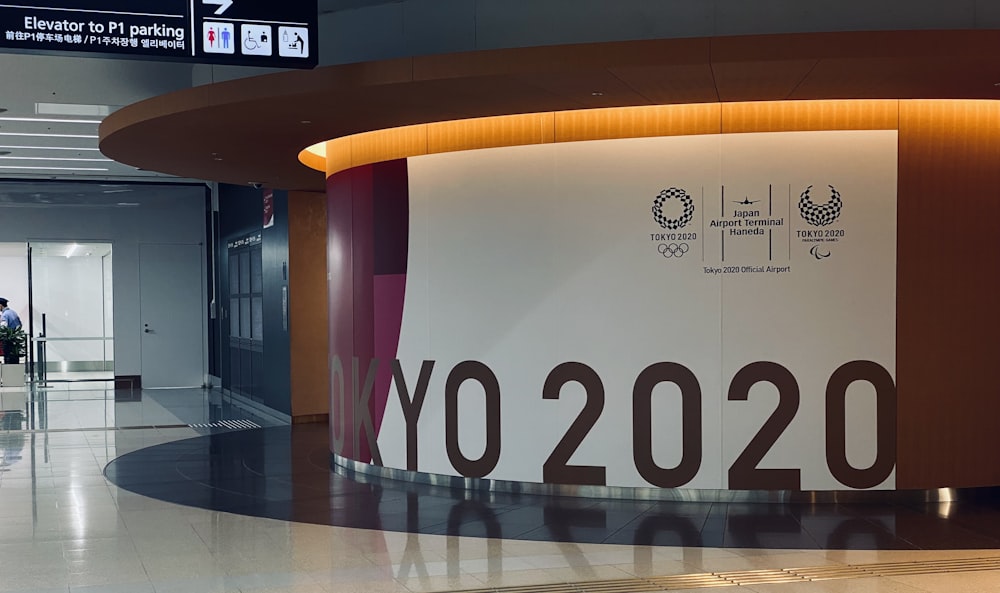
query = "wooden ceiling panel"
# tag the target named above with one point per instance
(671, 84)
(586, 90)
(903, 77)
(756, 81)
(255, 128)
(562, 58)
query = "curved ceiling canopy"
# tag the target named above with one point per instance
(251, 130)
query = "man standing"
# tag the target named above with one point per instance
(8, 318)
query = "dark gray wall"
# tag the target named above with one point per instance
(275, 383)
(356, 31)
(241, 215)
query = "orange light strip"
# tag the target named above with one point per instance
(339, 154)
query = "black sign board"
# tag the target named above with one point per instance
(243, 32)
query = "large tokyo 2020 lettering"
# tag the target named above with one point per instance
(743, 473)
(642, 424)
(836, 424)
(556, 469)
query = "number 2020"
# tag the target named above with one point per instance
(743, 473)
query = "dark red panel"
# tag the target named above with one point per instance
(392, 219)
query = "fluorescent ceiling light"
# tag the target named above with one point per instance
(52, 158)
(52, 168)
(52, 120)
(94, 136)
(49, 148)
(75, 109)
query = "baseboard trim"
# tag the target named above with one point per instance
(311, 419)
(257, 407)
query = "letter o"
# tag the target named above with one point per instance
(464, 371)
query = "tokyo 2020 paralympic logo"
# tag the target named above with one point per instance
(820, 214)
(681, 221)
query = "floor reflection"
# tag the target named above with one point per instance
(92, 405)
(283, 473)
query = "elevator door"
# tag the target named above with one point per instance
(246, 322)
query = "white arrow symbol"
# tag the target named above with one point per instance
(223, 5)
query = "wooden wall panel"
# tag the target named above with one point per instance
(638, 122)
(781, 116)
(307, 305)
(386, 145)
(948, 325)
(338, 154)
(489, 132)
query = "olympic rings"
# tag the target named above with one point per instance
(673, 249)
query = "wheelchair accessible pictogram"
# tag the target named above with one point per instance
(255, 40)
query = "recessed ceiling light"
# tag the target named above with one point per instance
(74, 109)
(50, 148)
(94, 136)
(52, 120)
(50, 158)
(52, 168)
(306, 121)
(597, 94)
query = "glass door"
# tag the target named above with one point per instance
(71, 311)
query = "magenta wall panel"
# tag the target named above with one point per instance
(368, 222)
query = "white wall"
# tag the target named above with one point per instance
(700, 263)
(166, 214)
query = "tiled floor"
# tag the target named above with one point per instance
(64, 527)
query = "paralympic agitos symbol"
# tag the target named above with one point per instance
(820, 214)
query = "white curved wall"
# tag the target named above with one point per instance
(525, 258)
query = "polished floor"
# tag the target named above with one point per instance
(284, 473)
(175, 495)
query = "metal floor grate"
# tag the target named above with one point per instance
(755, 577)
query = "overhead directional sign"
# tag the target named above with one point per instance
(241, 32)
(223, 5)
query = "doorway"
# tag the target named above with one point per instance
(70, 310)
(173, 331)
